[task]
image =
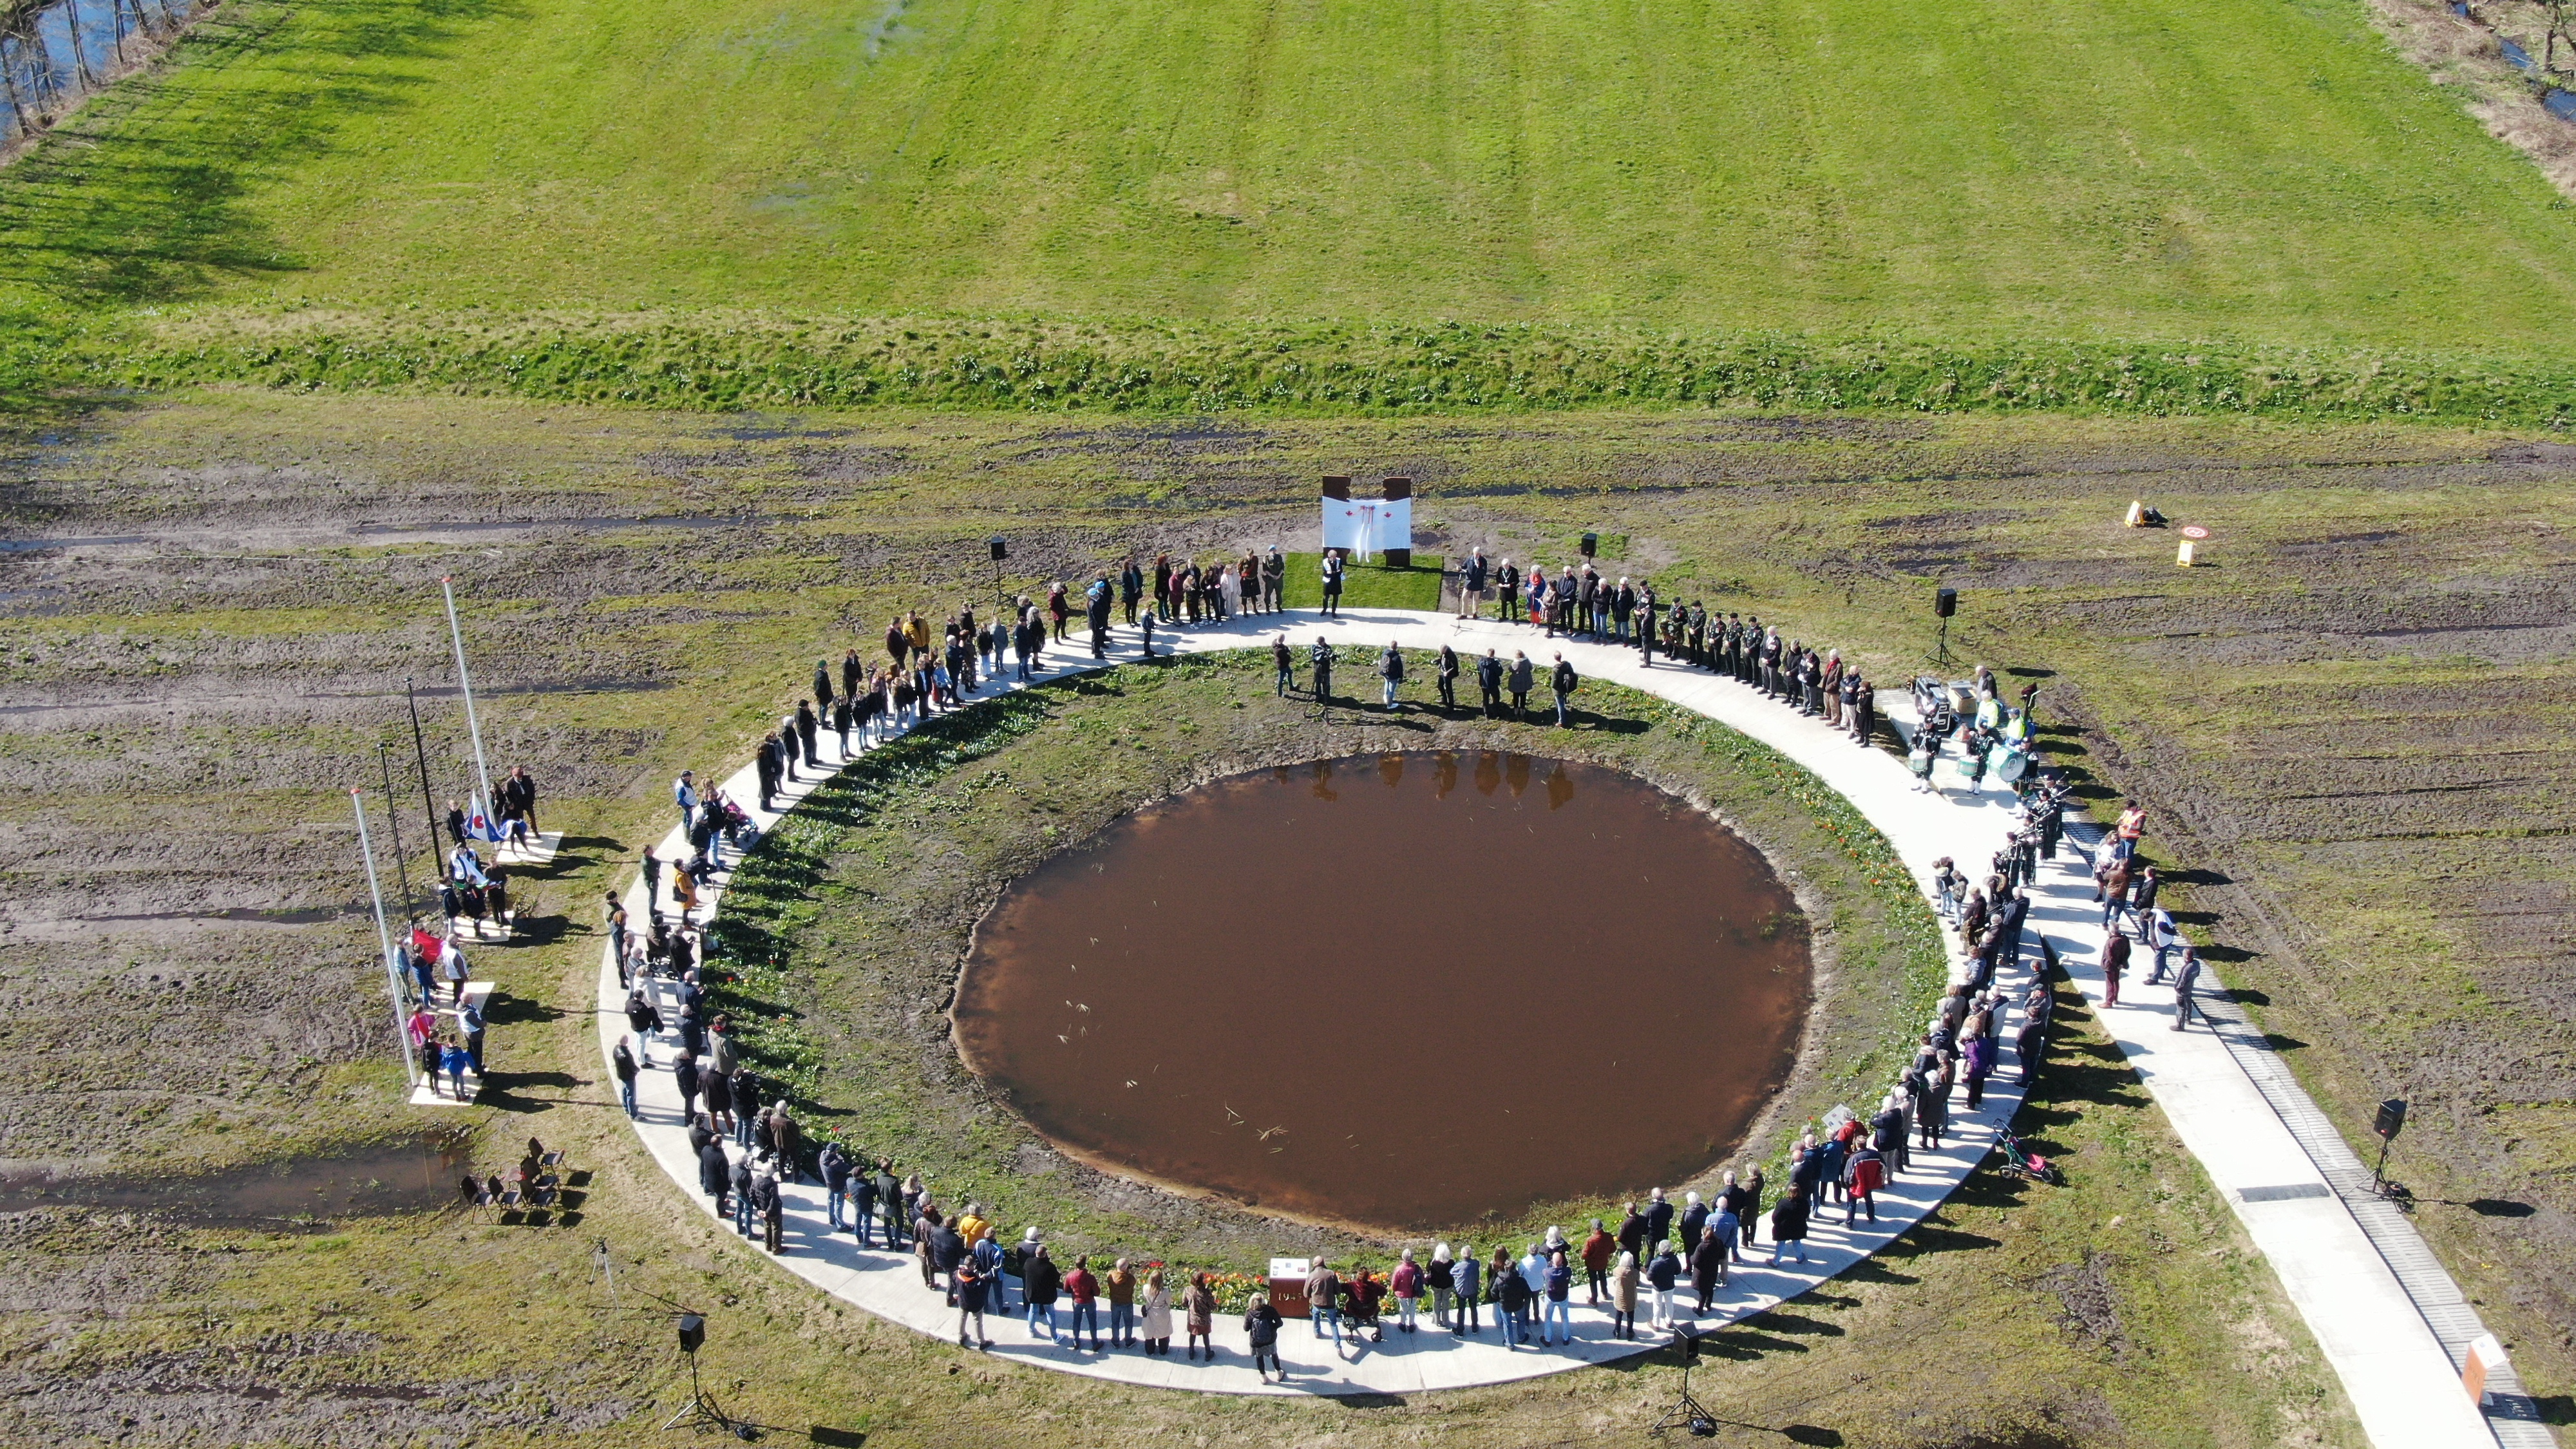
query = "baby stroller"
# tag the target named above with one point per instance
(1360, 1299)
(2021, 1162)
(739, 829)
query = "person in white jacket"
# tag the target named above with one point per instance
(2162, 938)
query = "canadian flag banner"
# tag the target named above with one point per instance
(1368, 526)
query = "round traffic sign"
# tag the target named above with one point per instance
(2194, 530)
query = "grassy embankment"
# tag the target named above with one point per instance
(844, 930)
(2189, 207)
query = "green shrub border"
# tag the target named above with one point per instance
(734, 361)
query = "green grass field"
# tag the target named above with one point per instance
(906, 227)
(2269, 173)
(1364, 586)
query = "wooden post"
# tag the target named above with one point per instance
(2486, 1355)
(1338, 490)
(1391, 489)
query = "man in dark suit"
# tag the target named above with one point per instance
(1489, 683)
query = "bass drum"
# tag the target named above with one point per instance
(2012, 766)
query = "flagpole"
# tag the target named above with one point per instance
(482, 776)
(393, 817)
(385, 940)
(428, 802)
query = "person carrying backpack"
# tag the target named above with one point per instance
(1406, 1285)
(1511, 1305)
(1261, 1326)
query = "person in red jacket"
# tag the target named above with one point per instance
(1862, 1178)
(1406, 1285)
(1084, 1290)
(1598, 1250)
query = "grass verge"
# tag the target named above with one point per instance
(731, 361)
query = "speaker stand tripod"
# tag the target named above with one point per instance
(1687, 1411)
(703, 1412)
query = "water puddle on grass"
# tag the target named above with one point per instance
(407, 1175)
(402, 533)
(394, 532)
(103, 708)
(2556, 100)
(241, 915)
(886, 27)
(1402, 990)
(53, 55)
(38, 545)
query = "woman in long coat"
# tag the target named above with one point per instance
(1155, 1325)
(1708, 1258)
(1623, 1298)
(1201, 1304)
(1789, 1226)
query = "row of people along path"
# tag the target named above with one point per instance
(2401, 1376)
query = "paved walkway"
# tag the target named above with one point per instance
(2400, 1379)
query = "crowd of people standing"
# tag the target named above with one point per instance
(1582, 603)
(1657, 1250)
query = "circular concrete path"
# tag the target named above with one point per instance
(1922, 825)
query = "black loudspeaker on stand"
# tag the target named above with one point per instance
(1687, 1412)
(701, 1411)
(2390, 1121)
(1945, 603)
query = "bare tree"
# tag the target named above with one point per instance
(9, 73)
(80, 57)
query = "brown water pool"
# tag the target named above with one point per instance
(1401, 991)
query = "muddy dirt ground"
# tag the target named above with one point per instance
(2352, 728)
